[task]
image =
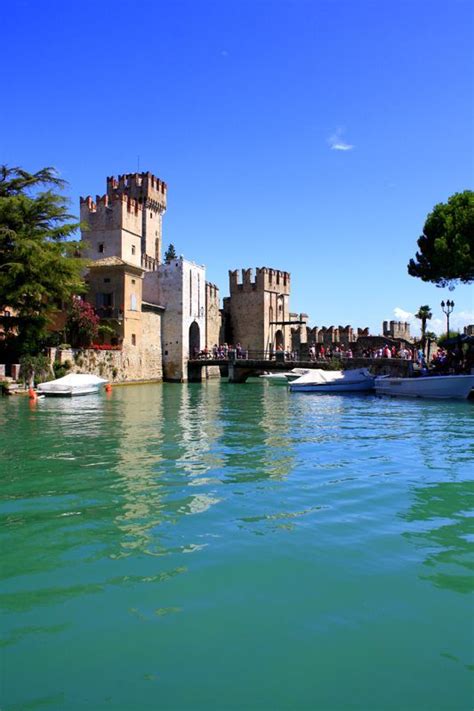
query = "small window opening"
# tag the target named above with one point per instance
(106, 280)
(100, 247)
(133, 249)
(134, 340)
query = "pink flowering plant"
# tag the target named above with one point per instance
(82, 323)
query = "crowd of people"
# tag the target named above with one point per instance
(442, 360)
(221, 352)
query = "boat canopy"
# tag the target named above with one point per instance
(320, 377)
(73, 380)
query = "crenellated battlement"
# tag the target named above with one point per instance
(212, 292)
(335, 334)
(396, 329)
(102, 202)
(266, 279)
(146, 188)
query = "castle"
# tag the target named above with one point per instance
(160, 314)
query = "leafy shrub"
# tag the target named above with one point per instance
(35, 367)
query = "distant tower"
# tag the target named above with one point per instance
(126, 222)
(257, 311)
(397, 329)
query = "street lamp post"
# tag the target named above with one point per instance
(447, 309)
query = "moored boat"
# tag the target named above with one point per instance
(334, 381)
(443, 387)
(286, 377)
(71, 385)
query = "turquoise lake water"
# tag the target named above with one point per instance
(223, 546)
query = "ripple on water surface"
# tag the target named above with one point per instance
(224, 546)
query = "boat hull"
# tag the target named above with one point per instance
(328, 388)
(72, 385)
(70, 392)
(440, 387)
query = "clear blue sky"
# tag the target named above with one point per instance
(312, 136)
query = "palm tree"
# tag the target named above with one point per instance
(424, 314)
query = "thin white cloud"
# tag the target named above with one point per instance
(337, 143)
(437, 324)
(403, 315)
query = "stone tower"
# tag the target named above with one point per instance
(256, 309)
(397, 329)
(126, 222)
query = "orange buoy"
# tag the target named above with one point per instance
(31, 394)
(108, 388)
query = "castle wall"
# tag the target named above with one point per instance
(254, 304)
(396, 329)
(213, 316)
(126, 222)
(130, 364)
(151, 194)
(113, 228)
(132, 333)
(335, 335)
(179, 286)
(124, 285)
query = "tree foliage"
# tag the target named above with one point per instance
(170, 254)
(424, 314)
(446, 247)
(39, 265)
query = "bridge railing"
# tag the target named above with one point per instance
(232, 354)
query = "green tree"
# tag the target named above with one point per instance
(39, 265)
(170, 254)
(446, 247)
(443, 337)
(424, 314)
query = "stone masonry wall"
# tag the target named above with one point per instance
(130, 364)
(213, 316)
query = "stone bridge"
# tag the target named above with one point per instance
(239, 369)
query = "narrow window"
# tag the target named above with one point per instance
(133, 249)
(100, 247)
(133, 302)
(133, 281)
(190, 293)
(134, 340)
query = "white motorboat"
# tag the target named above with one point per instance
(445, 387)
(334, 381)
(286, 377)
(72, 384)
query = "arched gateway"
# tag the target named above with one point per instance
(194, 340)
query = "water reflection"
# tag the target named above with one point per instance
(162, 452)
(256, 438)
(441, 518)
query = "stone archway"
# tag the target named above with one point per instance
(194, 340)
(279, 340)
